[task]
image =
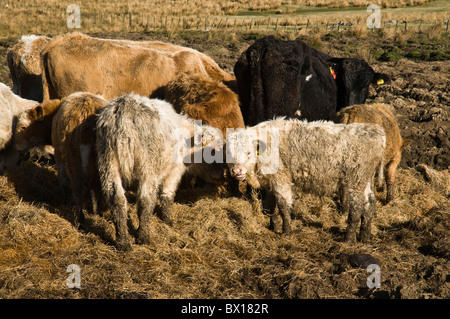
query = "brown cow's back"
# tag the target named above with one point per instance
(111, 68)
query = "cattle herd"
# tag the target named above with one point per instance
(124, 115)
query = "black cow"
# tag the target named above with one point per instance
(353, 78)
(290, 78)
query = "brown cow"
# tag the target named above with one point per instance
(34, 126)
(73, 137)
(379, 114)
(24, 65)
(203, 98)
(76, 62)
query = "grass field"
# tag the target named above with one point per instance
(50, 17)
(218, 246)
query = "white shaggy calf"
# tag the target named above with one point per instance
(317, 157)
(139, 144)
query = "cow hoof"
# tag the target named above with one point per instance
(366, 238)
(166, 219)
(388, 199)
(143, 238)
(287, 230)
(123, 245)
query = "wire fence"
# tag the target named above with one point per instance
(57, 19)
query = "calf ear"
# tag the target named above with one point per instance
(261, 147)
(36, 113)
(380, 79)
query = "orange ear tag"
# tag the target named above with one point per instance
(333, 73)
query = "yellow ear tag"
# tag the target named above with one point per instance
(380, 81)
(40, 117)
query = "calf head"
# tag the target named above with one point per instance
(203, 154)
(353, 78)
(35, 125)
(252, 152)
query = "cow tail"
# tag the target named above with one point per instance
(47, 87)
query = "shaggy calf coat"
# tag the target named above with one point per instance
(73, 137)
(316, 157)
(138, 143)
(379, 114)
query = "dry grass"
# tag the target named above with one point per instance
(217, 247)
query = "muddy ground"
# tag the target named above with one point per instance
(218, 246)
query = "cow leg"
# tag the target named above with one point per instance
(87, 160)
(168, 191)
(344, 198)
(269, 204)
(147, 195)
(356, 206)
(63, 180)
(367, 215)
(118, 203)
(115, 197)
(77, 191)
(283, 195)
(76, 184)
(95, 191)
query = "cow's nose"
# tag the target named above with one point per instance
(237, 171)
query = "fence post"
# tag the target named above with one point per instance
(276, 25)
(307, 24)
